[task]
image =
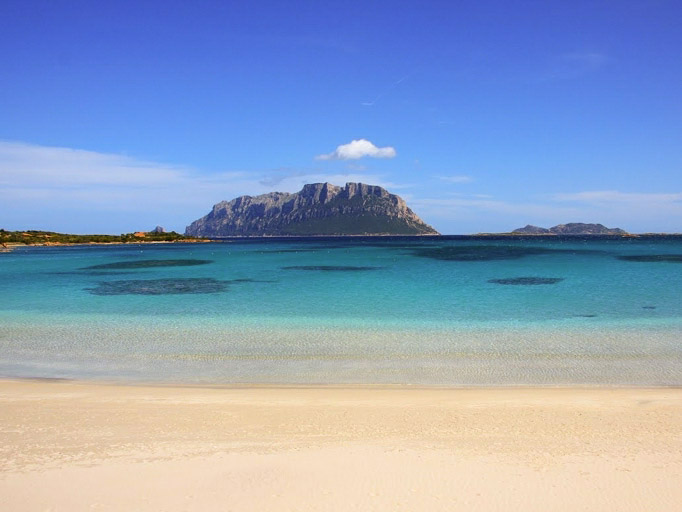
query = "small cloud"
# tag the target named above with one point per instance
(456, 179)
(358, 149)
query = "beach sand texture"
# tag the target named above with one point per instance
(77, 446)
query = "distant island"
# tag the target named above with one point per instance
(318, 209)
(573, 228)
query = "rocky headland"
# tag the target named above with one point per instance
(318, 209)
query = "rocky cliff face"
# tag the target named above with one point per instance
(573, 228)
(318, 209)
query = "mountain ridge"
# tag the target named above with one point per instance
(572, 228)
(317, 209)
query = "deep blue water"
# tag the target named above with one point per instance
(430, 311)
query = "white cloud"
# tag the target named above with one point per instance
(634, 212)
(614, 196)
(456, 179)
(66, 172)
(78, 190)
(356, 149)
(471, 214)
(54, 166)
(476, 204)
(85, 191)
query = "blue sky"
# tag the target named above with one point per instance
(484, 115)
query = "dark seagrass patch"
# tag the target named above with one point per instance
(124, 265)
(331, 268)
(527, 281)
(478, 252)
(159, 286)
(653, 258)
(91, 273)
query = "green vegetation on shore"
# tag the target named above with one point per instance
(33, 237)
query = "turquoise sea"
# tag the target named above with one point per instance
(435, 311)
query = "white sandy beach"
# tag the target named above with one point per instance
(77, 446)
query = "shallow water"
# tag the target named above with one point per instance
(424, 311)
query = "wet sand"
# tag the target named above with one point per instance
(83, 446)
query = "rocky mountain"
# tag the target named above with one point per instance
(574, 228)
(532, 230)
(318, 209)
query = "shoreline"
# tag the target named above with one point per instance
(7, 247)
(341, 386)
(74, 445)
(11, 246)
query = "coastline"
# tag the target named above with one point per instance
(8, 247)
(69, 445)
(12, 246)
